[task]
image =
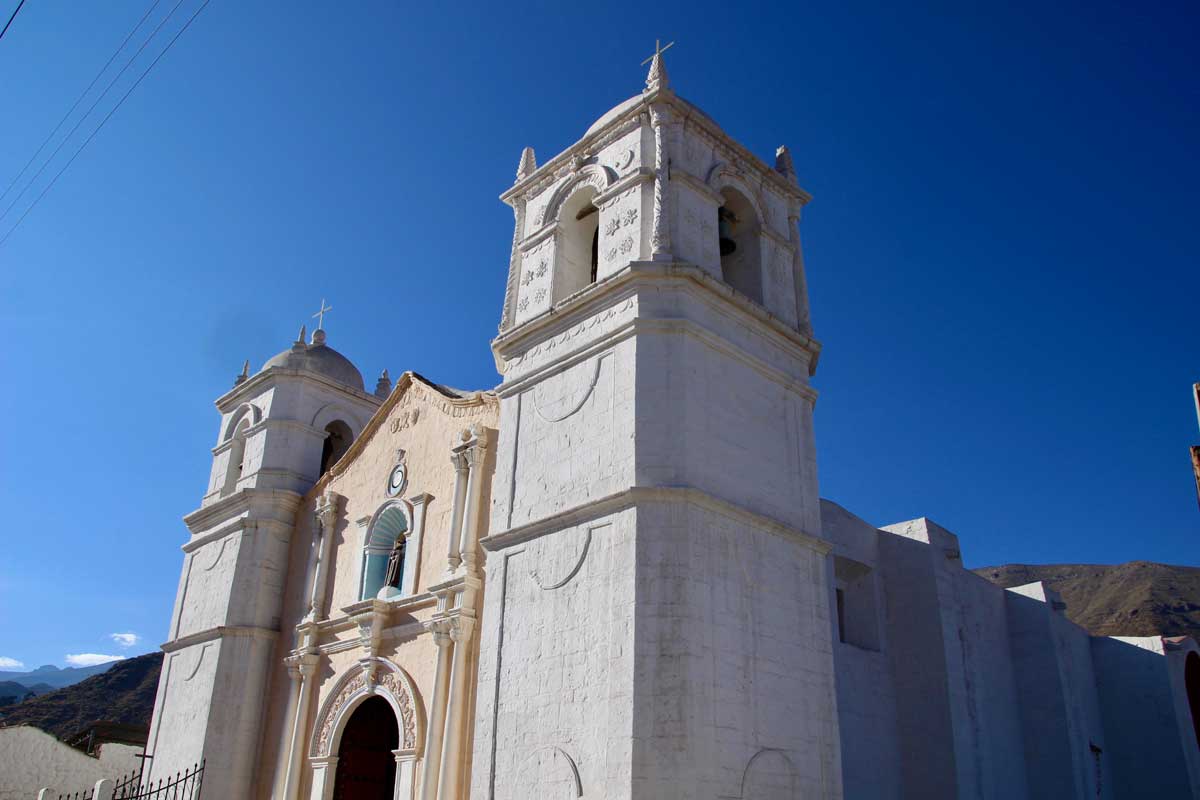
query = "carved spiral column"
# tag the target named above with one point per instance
(660, 232)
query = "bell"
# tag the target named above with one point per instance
(725, 223)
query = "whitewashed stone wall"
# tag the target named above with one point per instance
(1146, 720)
(555, 701)
(31, 760)
(726, 668)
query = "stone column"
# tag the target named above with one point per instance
(307, 665)
(405, 766)
(437, 714)
(283, 759)
(460, 492)
(412, 557)
(476, 456)
(326, 515)
(452, 749)
(660, 233)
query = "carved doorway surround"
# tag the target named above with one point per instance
(372, 677)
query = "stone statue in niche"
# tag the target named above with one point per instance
(395, 566)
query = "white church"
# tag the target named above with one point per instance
(612, 576)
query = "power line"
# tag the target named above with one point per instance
(91, 108)
(71, 110)
(107, 117)
(10, 19)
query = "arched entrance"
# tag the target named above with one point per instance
(366, 765)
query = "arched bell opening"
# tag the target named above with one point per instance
(237, 459)
(738, 233)
(366, 760)
(338, 438)
(579, 245)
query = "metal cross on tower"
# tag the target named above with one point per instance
(658, 51)
(320, 315)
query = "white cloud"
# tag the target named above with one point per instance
(125, 639)
(10, 663)
(90, 659)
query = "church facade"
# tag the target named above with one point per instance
(612, 576)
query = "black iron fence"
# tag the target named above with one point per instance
(184, 785)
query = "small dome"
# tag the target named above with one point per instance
(613, 113)
(318, 357)
(620, 109)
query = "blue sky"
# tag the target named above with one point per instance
(1001, 252)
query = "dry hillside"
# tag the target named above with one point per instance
(1138, 598)
(123, 693)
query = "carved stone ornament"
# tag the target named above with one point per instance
(357, 686)
(326, 510)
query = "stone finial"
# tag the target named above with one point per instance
(528, 164)
(383, 387)
(302, 337)
(245, 374)
(318, 337)
(783, 163)
(657, 79)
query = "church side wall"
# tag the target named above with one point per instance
(734, 691)
(916, 658)
(1145, 749)
(866, 697)
(988, 738)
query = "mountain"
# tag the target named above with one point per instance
(1138, 598)
(12, 692)
(53, 676)
(123, 693)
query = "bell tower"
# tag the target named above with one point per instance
(655, 548)
(280, 429)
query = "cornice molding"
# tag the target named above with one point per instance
(256, 384)
(267, 504)
(617, 288)
(220, 632)
(643, 495)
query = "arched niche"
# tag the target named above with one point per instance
(352, 688)
(392, 520)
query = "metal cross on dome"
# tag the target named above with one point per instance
(658, 51)
(320, 315)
